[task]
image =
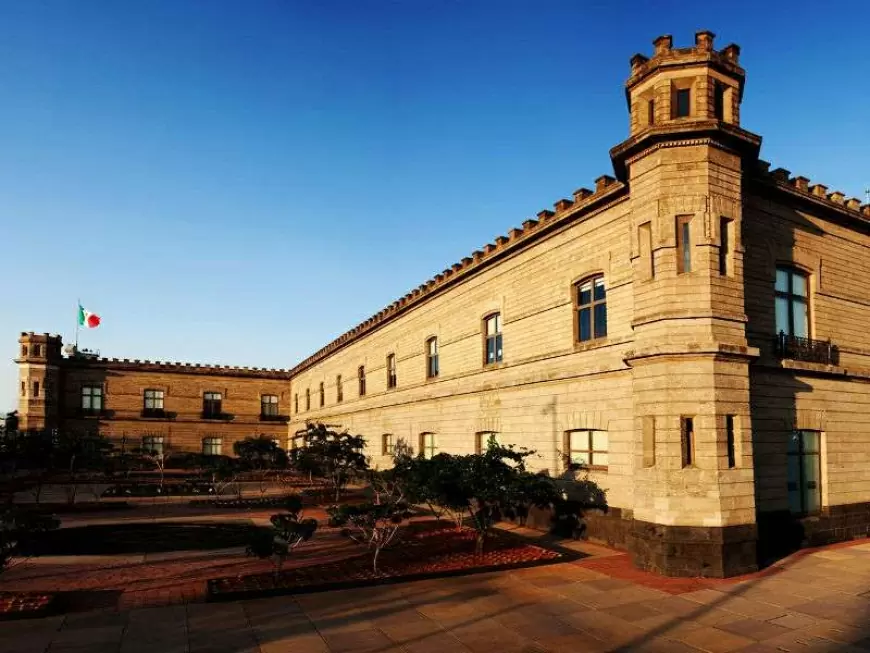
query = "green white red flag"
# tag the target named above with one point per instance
(88, 319)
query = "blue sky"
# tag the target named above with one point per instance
(240, 182)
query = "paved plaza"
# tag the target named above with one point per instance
(816, 601)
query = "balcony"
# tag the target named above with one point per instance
(805, 349)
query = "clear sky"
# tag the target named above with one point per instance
(240, 182)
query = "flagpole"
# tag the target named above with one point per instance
(78, 309)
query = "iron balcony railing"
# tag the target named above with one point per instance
(805, 349)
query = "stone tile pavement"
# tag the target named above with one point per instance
(812, 603)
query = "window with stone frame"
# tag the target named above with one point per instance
(212, 446)
(307, 398)
(339, 391)
(361, 377)
(322, 395)
(792, 302)
(804, 472)
(92, 399)
(269, 405)
(296, 402)
(212, 404)
(588, 447)
(590, 303)
(428, 445)
(432, 358)
(152, 401)
(391, 371)
(482, 440)
(682, 99)
(153, 444)
(388, 447)
(684, 244)
(492, 339)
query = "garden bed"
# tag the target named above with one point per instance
(154, 490)
(245, 502)
(76, 508)
(25, 605)
(425, 550)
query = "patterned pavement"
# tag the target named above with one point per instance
(814, 602)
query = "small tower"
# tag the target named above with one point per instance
(39, 358)
(684, 161)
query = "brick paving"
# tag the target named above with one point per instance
(814, 602)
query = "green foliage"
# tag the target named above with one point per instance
(484, 487)
(18, 527)
(335, 456)
(260, 453)
(289, 531)
(376, 523)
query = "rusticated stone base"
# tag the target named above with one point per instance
(781, 533)
(693, 551)
(611, 528)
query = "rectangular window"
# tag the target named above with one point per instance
(645, 250)
(493, 339)
(684, 244)
(792, 302)
(92, 399)
(804, 472)
(651, 112)
(212, 446)
(211, 404)
(687, 440)
(649, 441)
(322, 395)
(588, 448)
(387, 446)
(307, 398)
(682, 99)
(483, 438)
(719, 101)
(36, 388)
(591, 298)
(269, 405)
(726, 238)
(23, 389)
(361, 373)
(428, 445)
(296, 402)
(431, 358)
(153, 400)
(153, 444)
(391, 371)
(339, 391)
(729, 441)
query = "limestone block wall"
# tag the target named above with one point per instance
(789, 395)
(546, 385)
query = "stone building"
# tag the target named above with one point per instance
(174, 406)
(693, 329)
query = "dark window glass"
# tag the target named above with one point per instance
(687, 433)
(362, 380)
(322, 395)
(432, 358)
(307, 399)
(269, 405)
(719, 101)
(391, 371)
(211, 403)
(684, 244)
(591, 309)
(792, 308)
(729, 440)
(339, 391)
(804, 472)
(724, 245)
(683, 96)
(651, 112)
(493, 339)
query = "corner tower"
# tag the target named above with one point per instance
(694, 508)
(38, 361)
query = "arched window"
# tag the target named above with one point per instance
(590, 303)
(432, 358)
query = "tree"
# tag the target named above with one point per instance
(374, 523)
(261, 456)
(484, 487)
(18, 527)
(337, 457)
(79, 453)
(289, 531)
(223, 472)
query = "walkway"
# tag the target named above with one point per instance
(813, 603)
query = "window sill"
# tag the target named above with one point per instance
(494, 366)
(590, 344)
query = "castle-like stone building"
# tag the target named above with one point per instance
(158, 405)
(692, 329)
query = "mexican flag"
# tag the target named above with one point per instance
(88, 319)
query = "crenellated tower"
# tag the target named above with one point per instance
(683, 161)
(39, 359)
